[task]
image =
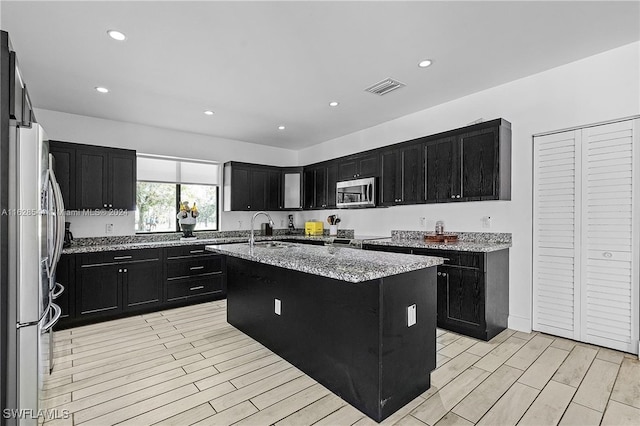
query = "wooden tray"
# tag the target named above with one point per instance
(446, 238)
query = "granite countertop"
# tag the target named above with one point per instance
(345, 264)
(474, 246)
(75, 249)
(467, 241)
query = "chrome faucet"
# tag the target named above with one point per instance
(252, 239)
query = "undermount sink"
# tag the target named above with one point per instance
(272, 244)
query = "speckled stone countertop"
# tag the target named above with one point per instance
(133, 242)
(467, 241)
(340, 263)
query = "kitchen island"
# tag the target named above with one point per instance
(360, 323)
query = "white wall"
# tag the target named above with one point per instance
(598, 88)
(153, 140)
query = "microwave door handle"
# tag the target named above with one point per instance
(370, 192)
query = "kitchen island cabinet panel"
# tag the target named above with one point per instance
(353, 338)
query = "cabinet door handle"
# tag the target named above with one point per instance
(200, 287)
(110, 205)
(125, 271)
(458, 196)
(439, 273)
(196, 268)
(104, 205)
(196, 251)
(453, 196)
(444, 274)
(121, 257)
(119, 270)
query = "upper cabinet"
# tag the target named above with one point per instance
(401, 179)
(94, 177)
(252, 187)
(20, 108)
(357, 166)
(320, 185)
(64, 168)
(470, 164)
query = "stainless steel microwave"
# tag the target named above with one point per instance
(356, 193)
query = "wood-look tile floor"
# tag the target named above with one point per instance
(188, 366)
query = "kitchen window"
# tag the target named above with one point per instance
(163, 183)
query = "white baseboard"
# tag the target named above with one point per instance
(519, 323)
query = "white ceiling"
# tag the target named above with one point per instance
(259, 65)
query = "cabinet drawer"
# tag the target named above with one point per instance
(119, 256)
(187, 251)
(189, 287)
(190, 267)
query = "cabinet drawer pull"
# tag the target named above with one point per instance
(196, 251)
(121, 257)
(195, 268)
(200, 287)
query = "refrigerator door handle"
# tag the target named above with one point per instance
(56, 316)
(57, 294)
(59, 232)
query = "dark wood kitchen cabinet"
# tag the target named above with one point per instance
(401, 172)
(105, 178)
(64, 167)
(107, 285)
(320, 185)
(469, 164)
(94, 177)
(115, 282)
(472, 289)
(252, 187)
(357, 166)
(192, 273)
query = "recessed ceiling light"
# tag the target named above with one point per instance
(207, 112)
(333, 104)
(117, 35)
(425, 63)
(281, 127)
(102, 89)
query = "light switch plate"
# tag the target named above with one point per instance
(278, 307)
(411, 315)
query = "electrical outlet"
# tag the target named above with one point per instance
(423, 221)
(411, 315)
(239, 224)
(108, 228)
(486, 222)
(277, 307)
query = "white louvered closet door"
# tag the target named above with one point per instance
(587, 235)
(556, 234)
(609, 297)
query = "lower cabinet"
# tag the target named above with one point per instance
(99, 290)
(141, 283)
(194, 273)
(472, 291)
(108, 285)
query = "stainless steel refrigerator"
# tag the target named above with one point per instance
(36, 235)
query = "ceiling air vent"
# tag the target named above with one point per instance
(385, 86)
